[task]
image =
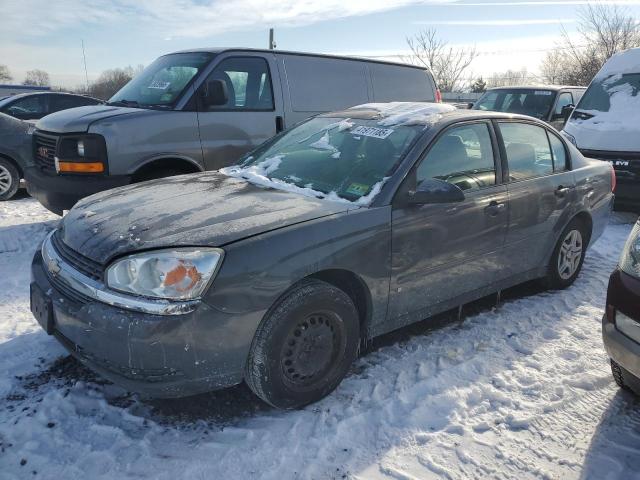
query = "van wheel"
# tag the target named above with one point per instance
(624, 378)
(304, 346)
(9, 179)
(568, 256)
(155, 174)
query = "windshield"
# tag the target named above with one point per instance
(532, 102)
(162, 82)
(614, 93)
(341, 159)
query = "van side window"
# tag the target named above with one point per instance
(528, 151)
(462, 156)
(559, 153)
(248, 83)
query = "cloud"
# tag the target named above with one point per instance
(498, 23)
(530, 3)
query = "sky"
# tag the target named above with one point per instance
(508, 34)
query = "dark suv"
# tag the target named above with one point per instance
(34, 106)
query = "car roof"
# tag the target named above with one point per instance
(218, 50)
(48, 92)
(418, 113)
(538, 87)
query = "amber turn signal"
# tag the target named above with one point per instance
(81, 167)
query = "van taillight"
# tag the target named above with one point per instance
(613, 180)
(438, 96)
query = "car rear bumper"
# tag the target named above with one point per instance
(623, 295)
(160, 356)
(62, 192)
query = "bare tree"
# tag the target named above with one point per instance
(447, 63)
(603, 30)
(110, 81)
(5, 75)
(36, 77)
(510, 78)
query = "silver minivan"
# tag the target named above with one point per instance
(201, 110)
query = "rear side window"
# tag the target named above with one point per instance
(64, 102)
(28, 108)
(559, 153)
(462, 156)
(248, 83)
(400, 84)
(319, 84)
(528, 151)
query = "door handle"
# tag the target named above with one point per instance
(279, 124)
(561, 191)
(494, 208)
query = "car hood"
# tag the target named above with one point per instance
(189, 210)
(79, 119)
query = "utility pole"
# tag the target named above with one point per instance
(86, 75)
(272, 43)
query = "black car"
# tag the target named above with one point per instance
(348, 226)
(16, 115)
(35, 105)
(621, 321)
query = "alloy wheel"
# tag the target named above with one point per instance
(570, 254)
(5, 180)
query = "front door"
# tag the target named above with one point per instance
(252, 114)
(442, 251)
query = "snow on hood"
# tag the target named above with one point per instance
(407, 113)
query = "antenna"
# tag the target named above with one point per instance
(84, 58)
(272, 43)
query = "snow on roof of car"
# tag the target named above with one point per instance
(405, 113)
(627, 61)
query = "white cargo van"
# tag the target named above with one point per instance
(606, 122)
(201, 110)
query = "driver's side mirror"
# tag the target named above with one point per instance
(215, 93)
(434, 190)
(566, 111)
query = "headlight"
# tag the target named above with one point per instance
(174, 274)
(630, 258)
(82, 154)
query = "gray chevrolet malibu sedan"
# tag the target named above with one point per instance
(350, 225)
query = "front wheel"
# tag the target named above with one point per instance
(304, 346)
(568, 256)
(9, 179)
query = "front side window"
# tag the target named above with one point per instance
(28, 108)
(564, 99)
(462, 156)
(161, 84)
(528, 151)
(533, 102)
(248, 84)
(344, 159)
(64, 102)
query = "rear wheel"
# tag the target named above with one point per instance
(568, 256)
(9, 179)
(624, 378)
(304, 346)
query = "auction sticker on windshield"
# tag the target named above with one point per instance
(159, 85)
(358, 189)
(372, 131)
(542, 92)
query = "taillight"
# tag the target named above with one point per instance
(438, 96)
(614, 182)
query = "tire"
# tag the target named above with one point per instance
(304, 346)
(625, 379)
(9, 179)
(567, 257)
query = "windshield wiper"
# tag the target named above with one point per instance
(125, 103)
(581, 114)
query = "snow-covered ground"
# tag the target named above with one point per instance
(519, 391)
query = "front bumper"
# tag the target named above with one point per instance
(623, 294)
(154, 355)
(62, 192)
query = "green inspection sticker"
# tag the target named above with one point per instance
(358, 189)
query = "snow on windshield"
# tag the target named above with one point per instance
(612, 102)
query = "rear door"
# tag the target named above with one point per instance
(252, 114)
(443, 251)
(541, 187)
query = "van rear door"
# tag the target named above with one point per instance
(253, 112)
